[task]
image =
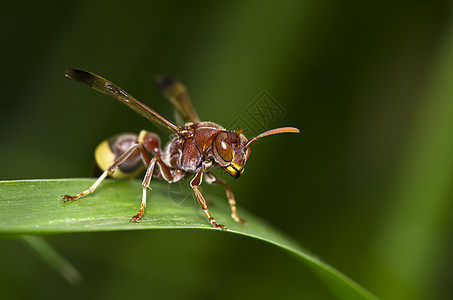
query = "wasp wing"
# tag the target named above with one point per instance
(177, 94)
(104, 86)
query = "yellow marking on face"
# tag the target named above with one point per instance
(242, 171)
(237, 166)
(231, 170)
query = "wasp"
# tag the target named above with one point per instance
(196, 148)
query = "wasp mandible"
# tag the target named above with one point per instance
(196, 148)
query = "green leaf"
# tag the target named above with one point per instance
(34, 207)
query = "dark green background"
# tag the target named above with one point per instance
(367, 186)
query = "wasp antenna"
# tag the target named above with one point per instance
(272, 131)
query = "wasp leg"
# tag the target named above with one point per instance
(165, 173)
(145, 185)
(111, 169)
(195, 183)
(212, 179)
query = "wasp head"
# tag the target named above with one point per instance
(232, 149)
(230, 153)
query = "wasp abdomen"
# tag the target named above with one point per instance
(110, 149)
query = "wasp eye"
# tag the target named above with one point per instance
(223, 148)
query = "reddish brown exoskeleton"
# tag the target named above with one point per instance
(196, 148)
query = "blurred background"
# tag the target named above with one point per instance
(367, 186)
